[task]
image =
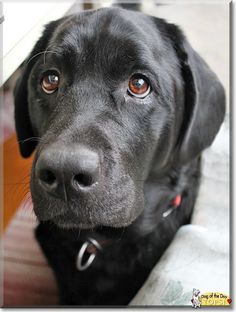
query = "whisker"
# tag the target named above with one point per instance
(31, 139)
(35, 55)
(44, 55)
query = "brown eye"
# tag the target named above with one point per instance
(138, 86)
(50, 83)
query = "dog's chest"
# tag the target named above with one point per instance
(110, 276)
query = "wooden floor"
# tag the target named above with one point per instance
(28, 280)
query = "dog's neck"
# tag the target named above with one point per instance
(160, 192)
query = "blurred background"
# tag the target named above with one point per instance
(27, 279)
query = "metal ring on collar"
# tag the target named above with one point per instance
(79, 265)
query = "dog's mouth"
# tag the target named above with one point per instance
(60, 222)
(95, 217)
(66, 221)
(116, 204)
(116, 200)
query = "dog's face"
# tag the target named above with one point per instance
(110, 97)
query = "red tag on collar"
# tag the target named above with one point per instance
(177, 201)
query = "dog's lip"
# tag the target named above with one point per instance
(67, 225)
(68, 222)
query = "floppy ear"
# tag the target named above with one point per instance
(204, 106)
(24, 130)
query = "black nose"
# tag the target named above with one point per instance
(62, 169)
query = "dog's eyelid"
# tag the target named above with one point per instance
(51, 71)
(139, 96)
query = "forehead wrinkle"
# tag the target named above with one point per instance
(75, 29)
(103, 41)
(75, 38)
(92, 25)
(120, 53)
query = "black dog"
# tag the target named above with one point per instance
(121, 107)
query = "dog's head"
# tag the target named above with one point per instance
(106, 97)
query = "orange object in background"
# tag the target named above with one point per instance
(28, 281)
(16, 175)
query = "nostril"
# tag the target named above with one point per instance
(84, 179)
(47, 177)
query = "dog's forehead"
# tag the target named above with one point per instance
(109, 22)
(104, 31)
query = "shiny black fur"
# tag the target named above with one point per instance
(123, 265)
(151, 146)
